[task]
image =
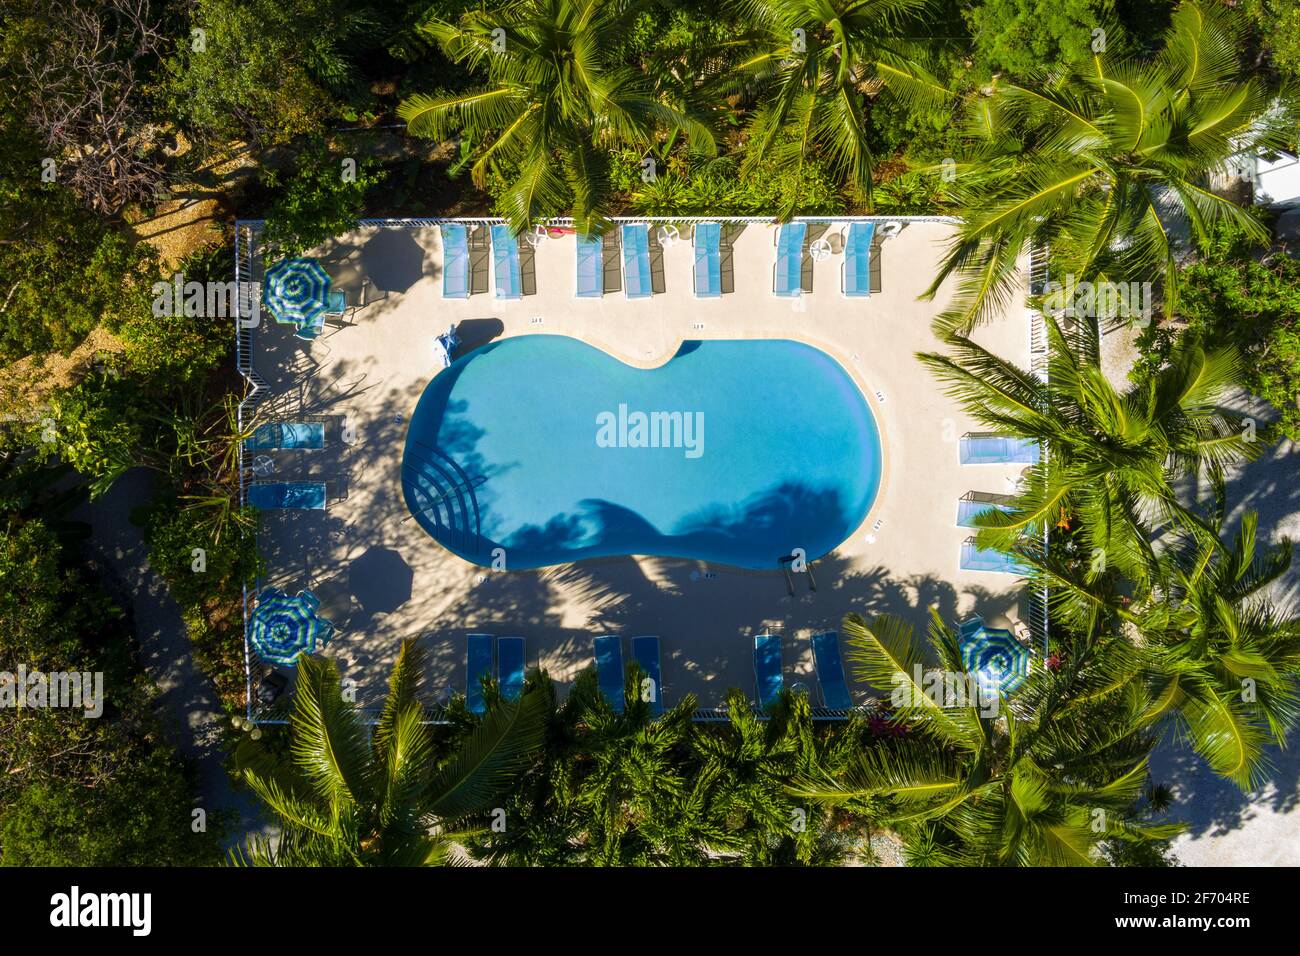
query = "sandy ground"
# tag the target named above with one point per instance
(389, 580)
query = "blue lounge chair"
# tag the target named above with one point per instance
(645, 651)
(591, 275)
(510, 666)
(455, 261)
(830, 670)
(505, 263)
(336, 303)
(637, 282)
(968, 510)
(707, 240)
(273, 436)
(981, 559)
(308, 332)
(295, 495)
(787, 274)
(767, 669)
(997, 450)
(478, 664)
(610, 675)
(855, 273)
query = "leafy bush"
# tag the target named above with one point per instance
(720, 188)
(210, 598)
(1229, 296)
(317, 201)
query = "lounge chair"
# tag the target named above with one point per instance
(855, 271)
(645, 651)
(336, 303)
(289, 495)
(455, 261)
(480, 256)
(505, 263)
(788, 271)
(637, 281)
(610, 675)
(308, 332)
(510, 666)
(591, 275)
(767, 669)
(706, 238)
(830, 671)
(982, 559)
(478, 664)
(991, 449)
(273, 436)
(611, 262)
(975, 504)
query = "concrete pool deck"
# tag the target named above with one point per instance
(385, 579)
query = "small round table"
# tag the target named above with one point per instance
(263, 465)
(667, 234)
(820, 250)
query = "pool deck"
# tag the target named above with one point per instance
(385, 579)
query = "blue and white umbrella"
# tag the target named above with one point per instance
(297, 292)
(283, 627)
(999, 661)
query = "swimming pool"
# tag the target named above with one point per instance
(540, 450)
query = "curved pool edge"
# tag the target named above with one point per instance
(850, 365)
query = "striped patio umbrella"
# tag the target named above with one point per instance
(283, 628)
(999, 661)
(296, 291)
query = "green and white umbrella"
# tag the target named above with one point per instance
(296, 291)
(999, 661)
(283, 627)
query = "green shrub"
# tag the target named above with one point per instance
(317, 202)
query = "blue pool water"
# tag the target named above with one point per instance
(534, 445)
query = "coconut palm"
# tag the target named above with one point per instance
(1105, 162)
(1032, 785)
(1111, 456)
(553, 104)
(819, 65)
(392, 800)
(1214, 651)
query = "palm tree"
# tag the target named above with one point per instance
(1101, 162)
(1034, 785)
(553, 105)
(389, 801)
(1216, 651)
(820, 62)
(1110, 456)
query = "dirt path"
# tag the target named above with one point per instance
(193, 718)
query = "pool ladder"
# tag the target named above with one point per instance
(447, 488)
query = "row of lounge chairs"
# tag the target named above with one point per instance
(630, 259)
(508, 667)
(990, 449)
